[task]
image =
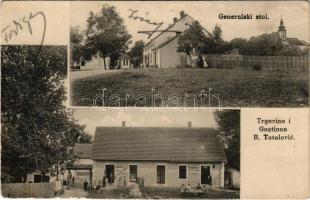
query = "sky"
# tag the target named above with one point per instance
(295, 16)
(93, 117)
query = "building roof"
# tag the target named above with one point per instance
(83, 150)
(157, 144)
(170, 26)
(80, 167)
(125, 56)
(296, 41)
(165, 42)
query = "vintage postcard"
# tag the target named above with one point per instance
(155, 99)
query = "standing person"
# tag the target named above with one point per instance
(85, 184)
(95, 184)
(104, 181)
(73, 179)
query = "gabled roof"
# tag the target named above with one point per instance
(170, 26)
(82, 150)
(166, 42)
(157, 144)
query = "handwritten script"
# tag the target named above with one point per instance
(142, 19)
(23, 24)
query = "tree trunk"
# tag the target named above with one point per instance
(104, 64)
(57, 172)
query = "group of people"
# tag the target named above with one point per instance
(70, 180)
(100, 183)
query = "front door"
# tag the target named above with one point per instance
(161, 170)
(110, 173)
(133, 173)
(205, 175)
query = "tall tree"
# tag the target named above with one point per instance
(229, 129)
(36, 127)
(76, 39)
(193, 37)
(107, 35)
(268, 44)
(240, 44)
(136, 53)
(217, 35)
(216, 44)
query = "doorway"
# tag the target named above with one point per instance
(133, 173)
(205, 175)
(161, 171)
(110, 173)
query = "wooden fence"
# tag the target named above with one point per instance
(29, 189)
(297, 63)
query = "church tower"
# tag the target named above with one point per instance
(282, 30)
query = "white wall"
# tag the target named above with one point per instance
(179, 26)
(147, 170)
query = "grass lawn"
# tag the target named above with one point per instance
(165, 193)
(234, 87)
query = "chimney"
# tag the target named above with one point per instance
(175, 20)
(182, 13)
(123, 123)
(189, 124)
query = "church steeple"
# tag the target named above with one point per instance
(282, 30)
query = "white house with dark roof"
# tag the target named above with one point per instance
(158, 156)
(161, 50)
(124, 62)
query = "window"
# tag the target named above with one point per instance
(133, 173)
(182, 172)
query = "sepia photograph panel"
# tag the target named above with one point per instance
(194, 54)
(132, 154)
(36, 127)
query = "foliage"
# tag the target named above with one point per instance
(136, 53)
(264, 45)
(192, 38)
(240, 44)
(291, 51)
(195, 37)
(229, 127)
(106, 34)
(76, 39)
(36, 127)
(268, 44)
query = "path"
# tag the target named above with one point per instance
(81, 74)
(74, 193)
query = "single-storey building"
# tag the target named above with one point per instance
(124, 62)
(161, 50)
(158, 156)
